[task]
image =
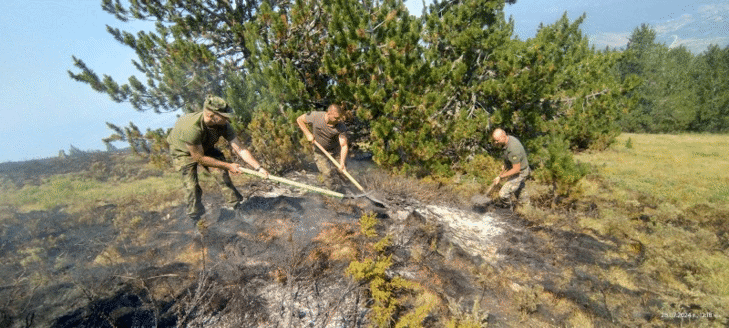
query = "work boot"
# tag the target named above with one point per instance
(194, 218)
(234, 207)
(503, 203)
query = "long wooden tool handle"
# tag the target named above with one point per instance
(294, 183)
(339, 166)
(491, 187)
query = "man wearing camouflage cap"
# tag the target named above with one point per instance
(192, 145)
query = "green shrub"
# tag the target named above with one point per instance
(152, 145)
(367, 224)
(272, 140)
(556, 166)
(159, 149)
(387, 305)
(382, 289)
(483, 167)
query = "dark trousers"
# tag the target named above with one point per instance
(329, 173)
(191, 184)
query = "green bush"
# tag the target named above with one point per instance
(152, 145)
(388, 308)
(272, 140)
(555, 165)
(483, 167)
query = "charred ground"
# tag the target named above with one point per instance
(285, 259)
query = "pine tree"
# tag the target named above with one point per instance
(195, 46)
(637, 63)
(711, 85)
(424, 93)
(674, 98)
(306, 55)
(282, 77)
(665, 100)
(463, 41)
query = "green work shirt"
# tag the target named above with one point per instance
(327, 136)
(190, 129)
(515, 153)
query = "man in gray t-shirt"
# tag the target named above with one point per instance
(330, 132)
(515, 169)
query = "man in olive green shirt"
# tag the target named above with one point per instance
(331, 133)
(515, 169)
(192, 145)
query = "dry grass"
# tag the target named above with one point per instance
(684, 170)
(124, 181)
(428, 191)
(666, 196)
(338, 242)
(663, 200)
(78, 193)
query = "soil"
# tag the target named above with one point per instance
(262, 264)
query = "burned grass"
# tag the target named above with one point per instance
(402, 190)
(282, 260)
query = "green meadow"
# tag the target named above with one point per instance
(684, 170)
(665, 199)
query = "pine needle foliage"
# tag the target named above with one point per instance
(675, 90)
(422, 94)
(558, 167)
(151, 145)
(194, 47)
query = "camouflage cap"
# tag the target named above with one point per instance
(217, 105)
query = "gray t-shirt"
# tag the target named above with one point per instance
(327, 136)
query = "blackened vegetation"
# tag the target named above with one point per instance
(280, 261)
(97, 164)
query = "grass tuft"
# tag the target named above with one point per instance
(664, 201)
(658, 165)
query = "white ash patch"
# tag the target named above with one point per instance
(475, 233)
(332, 304)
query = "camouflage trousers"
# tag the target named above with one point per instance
(515, 188)
(329, 173)
(191, 184)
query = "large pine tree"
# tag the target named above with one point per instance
(423, 92)
(710, 78)
(195, 46)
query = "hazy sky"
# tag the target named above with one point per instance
(692, 23)
(45, 111)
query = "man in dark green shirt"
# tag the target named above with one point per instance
(515, 169)
(192, 145)
(331, 133)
